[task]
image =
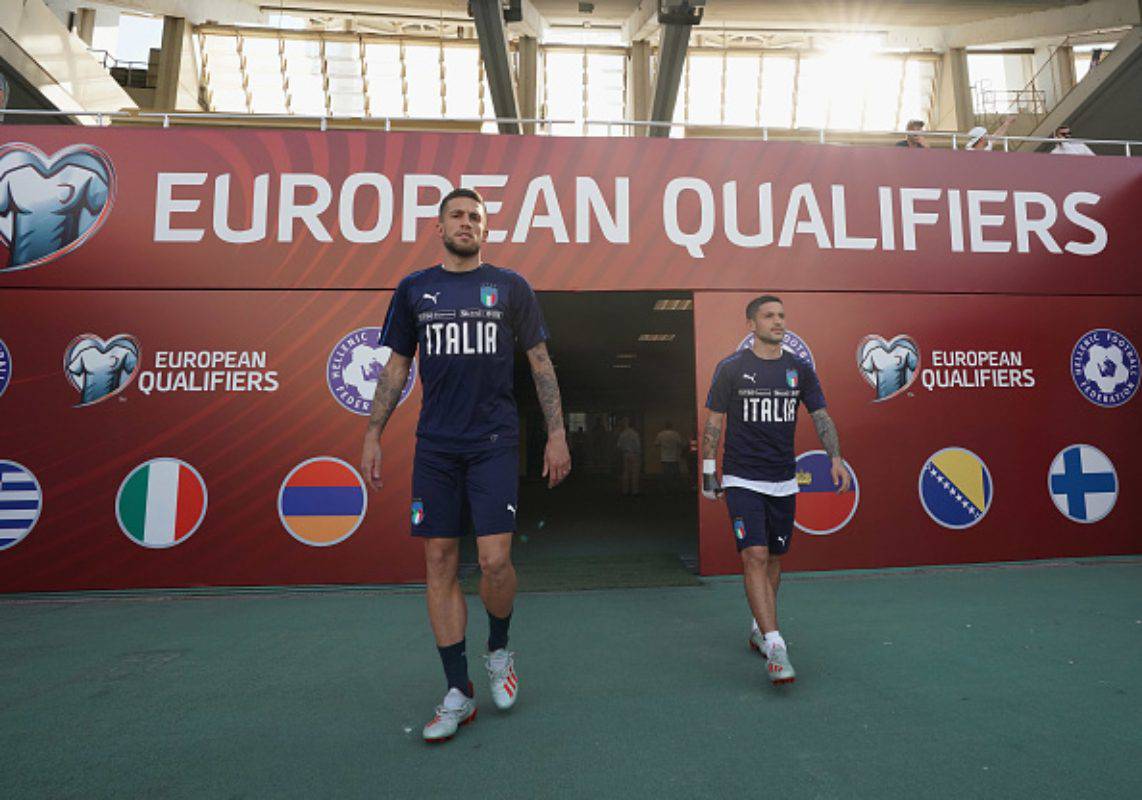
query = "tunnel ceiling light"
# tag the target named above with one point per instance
(656, 337)
(626, 355)
(621, 366)
(673, 305)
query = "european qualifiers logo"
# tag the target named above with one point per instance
(50, 205)
(5, 366)
(791, 343)
(20, 503)
(955, 488)
(1104, 365)
(1082, 483)
(100, 369)
(355, 366)
(889, 365)
(232, 371)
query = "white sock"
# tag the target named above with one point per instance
(773, 639)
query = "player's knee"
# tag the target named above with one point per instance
(440, 562)
(495, 564)
(755, 558)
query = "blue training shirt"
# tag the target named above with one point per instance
(466, 326)
(759, 398)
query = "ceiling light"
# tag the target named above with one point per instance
(626, 355)
(621, 366)
(673, 305)
(656, 337)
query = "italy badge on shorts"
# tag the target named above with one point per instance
(489, 296)
(739, 528)
(820, 510)
(322, 501)
(417, 513)
(955, 488)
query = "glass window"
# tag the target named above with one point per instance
(777, 74)
(742, 90)
(422, 79)
(563, 81)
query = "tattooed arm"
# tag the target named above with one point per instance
(556, 457)
(827, 432)
(711, 435)
(385, 399)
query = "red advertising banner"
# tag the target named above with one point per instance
(189, 320)
(300, 209)
(998, 381)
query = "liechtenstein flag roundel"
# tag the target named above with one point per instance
(820, 510)
(161, 503)
(322, 501)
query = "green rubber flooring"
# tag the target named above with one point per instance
(1009, 682)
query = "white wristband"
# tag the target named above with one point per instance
(709, 466)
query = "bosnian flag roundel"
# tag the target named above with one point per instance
(161, 503)
(820, 510)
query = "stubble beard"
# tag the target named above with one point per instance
(464, 251)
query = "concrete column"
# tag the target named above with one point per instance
(638, 84)
(527, 50)
(953, 110)
(672, 48)
(84, 24)
(170, 63)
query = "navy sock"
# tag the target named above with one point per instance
(498, 631)
(455, 662)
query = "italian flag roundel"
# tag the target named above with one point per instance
(161, 503)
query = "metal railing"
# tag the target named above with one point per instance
(109, 63)
(956, 140)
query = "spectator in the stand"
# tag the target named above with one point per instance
(1065, 146)
(978, 138)
(913, 139)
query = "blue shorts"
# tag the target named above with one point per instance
(449, 489)
(761, 520)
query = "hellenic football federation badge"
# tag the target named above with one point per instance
(489, 296)
(889, 366)
(20, 503)
(5, 366)
(322, 502)
(354, 367)
(99, 369)
(417, 512)
(161, 503)
(1104, 365)
(791, 343)
(1082, 483)
(820, 509)
(53, 204)
(955, 488)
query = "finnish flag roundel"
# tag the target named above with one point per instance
(1082, 483)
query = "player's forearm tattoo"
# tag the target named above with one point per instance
(547, 387)
(386, 396)
(827, 432)
(711, 434)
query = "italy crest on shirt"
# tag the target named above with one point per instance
(791, 378)
(489, 296)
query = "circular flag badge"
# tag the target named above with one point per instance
(5, 366)
(1104, 365)
(354, 367)
(1082, 483)
(791, 343)
(322, 501)
(820, 510)
(161, 503)
(955, 488)
(20, 503)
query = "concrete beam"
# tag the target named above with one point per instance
(1054, 22)
(638, 85)
(195, 11)
(84, 25)
(490, 28)
(527, 50)
(672, 46)
(642, 24)
(533, 24)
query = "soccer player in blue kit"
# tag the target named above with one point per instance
(753, 397)
(467, 318)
